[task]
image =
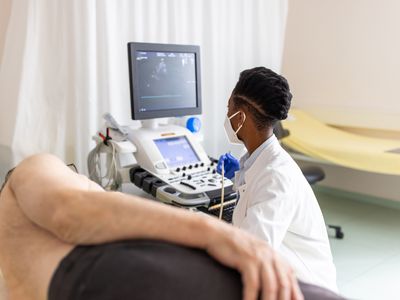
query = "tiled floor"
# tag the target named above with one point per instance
(368, 258)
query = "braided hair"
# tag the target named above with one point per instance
(265, 94)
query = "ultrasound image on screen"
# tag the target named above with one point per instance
(167, 80)
(176, 151)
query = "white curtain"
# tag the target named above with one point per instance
(65, 63)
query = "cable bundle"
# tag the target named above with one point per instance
(104, 172)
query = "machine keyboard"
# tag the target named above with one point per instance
(227, 212)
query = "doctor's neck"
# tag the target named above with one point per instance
(254, 137)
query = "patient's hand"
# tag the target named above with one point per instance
(261, 268)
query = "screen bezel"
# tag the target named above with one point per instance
(133, 83)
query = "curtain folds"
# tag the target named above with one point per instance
(65, 63)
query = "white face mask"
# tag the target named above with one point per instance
(230, 133)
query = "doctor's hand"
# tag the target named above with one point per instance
(264, 274)
(231, 165)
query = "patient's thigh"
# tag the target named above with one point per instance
(2, 287)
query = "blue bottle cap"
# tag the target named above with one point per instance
(193, 124)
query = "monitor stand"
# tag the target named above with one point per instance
(150, 123)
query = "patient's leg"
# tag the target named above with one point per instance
(2, 287)
(29, 253)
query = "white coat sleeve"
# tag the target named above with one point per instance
(271, 207)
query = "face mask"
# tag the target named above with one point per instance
(230, 133)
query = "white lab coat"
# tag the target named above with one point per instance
(278, 205)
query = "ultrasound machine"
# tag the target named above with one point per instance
(171, 163)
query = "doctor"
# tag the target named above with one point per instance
(276, 203)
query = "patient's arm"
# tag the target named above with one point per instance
(78, 211)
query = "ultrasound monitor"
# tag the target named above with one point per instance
(164, 80)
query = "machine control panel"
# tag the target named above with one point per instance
(197, 177)
(193, 180)
(200, 190)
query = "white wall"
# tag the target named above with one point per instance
(342, 60)
(5, 11)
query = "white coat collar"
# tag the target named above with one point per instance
(246, 161)
(264, 159)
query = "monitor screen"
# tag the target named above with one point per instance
(164, 80)
(176, 151)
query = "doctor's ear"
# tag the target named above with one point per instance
(242, 117)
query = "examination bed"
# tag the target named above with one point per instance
(321, 141)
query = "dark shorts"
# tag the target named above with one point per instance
(149, 270)
(142, 270)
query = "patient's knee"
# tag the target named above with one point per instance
(39, 159)
(30, 167)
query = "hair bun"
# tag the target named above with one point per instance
(267, 91)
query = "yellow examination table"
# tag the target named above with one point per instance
(318, 140)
